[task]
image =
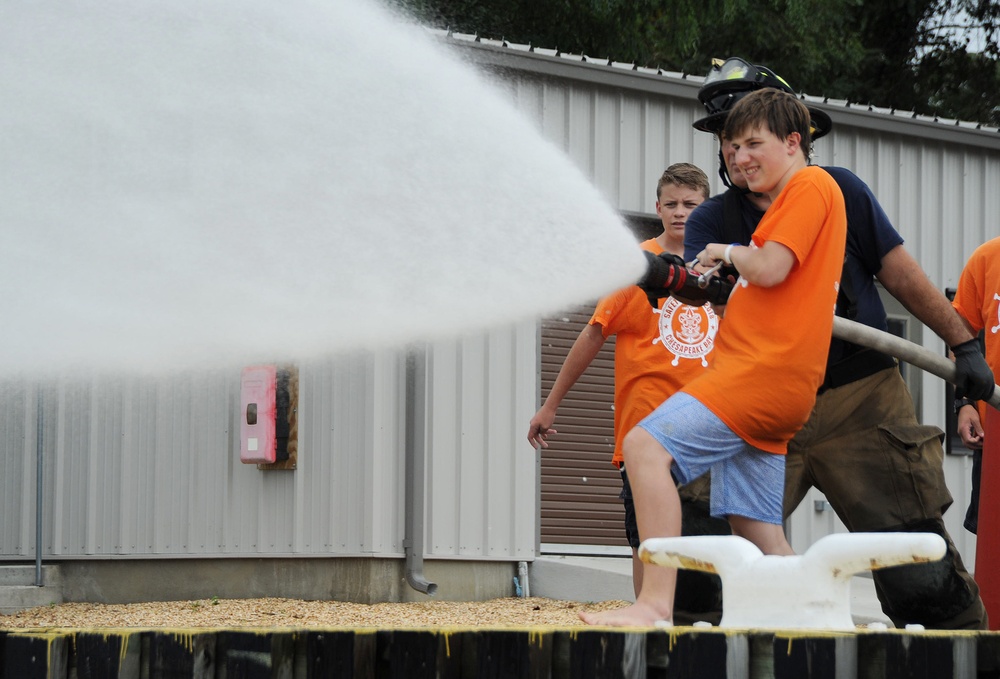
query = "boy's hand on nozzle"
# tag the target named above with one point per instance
(973, 377)
(726, 272)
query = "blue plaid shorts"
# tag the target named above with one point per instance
(746, 481)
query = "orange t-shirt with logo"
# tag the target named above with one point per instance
(770, 357)
(657, 351)
(977, 299)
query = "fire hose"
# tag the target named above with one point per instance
(904, 350)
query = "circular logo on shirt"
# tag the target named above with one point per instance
(687, 331)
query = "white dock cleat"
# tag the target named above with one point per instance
(807, 591)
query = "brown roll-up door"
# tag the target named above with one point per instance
(580, 486)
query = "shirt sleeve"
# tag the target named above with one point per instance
(970, 291)
(610, 313)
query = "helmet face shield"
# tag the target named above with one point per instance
(737, 75)
(733, 68)
(729, 81)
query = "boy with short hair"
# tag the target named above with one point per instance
(769, 357)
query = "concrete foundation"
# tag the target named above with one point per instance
(19, 588)
(358, 580)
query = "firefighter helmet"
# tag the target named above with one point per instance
(731, 80)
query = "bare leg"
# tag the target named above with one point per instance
(658, 514)
(769, 537)
(637, 566)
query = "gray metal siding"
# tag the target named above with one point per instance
(481, 480)
(622, 141)
(150, 467)
(17, 464)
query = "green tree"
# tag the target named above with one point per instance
(955, 83)
(903, 54)
(957, 70)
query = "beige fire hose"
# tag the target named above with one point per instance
(904, 350)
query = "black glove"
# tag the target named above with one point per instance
(973, 377)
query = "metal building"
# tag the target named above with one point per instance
(142, 492)
(623, 125)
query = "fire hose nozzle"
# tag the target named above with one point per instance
(667, 274)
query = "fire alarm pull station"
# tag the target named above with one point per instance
(266, 412)
(258, 408)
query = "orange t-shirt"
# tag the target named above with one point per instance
(770, 358)
(977, 299)
(657, 351)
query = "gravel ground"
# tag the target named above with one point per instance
(497, 613)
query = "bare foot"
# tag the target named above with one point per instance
(637, 615)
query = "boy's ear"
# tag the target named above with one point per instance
(792, 142)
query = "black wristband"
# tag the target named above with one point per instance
(962, 402)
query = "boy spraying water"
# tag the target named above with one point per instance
(770, 354)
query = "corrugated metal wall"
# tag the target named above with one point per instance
(622, 140)
(482, 491)
(150, 467)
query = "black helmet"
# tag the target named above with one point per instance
(733, 79)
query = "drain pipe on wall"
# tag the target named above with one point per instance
(415, 453)
(39, 489)
(521, 587)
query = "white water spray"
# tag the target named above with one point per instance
(186, 182)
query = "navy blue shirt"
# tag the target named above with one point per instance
(870, 236)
